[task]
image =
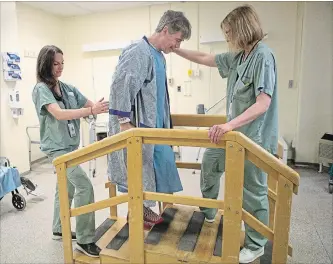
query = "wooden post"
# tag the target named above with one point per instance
(65, 213)
(135, 200)
(233, 202)
(272, 184)
(282, 220)
(113, 193)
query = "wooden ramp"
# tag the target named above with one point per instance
(184, 236)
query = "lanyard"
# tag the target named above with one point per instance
(241, 61)
(249, 51)
(61, 98)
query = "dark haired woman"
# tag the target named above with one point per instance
(59, 107)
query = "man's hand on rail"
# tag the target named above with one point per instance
(126, 126)
(216, 132)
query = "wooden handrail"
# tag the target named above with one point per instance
(94, 147)
(192, 136)
(184, 120)
(180, 137)
(197, 120)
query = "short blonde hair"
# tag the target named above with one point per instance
(245, 27)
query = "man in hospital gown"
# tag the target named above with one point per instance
(140, 83)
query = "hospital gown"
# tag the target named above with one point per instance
(166, 173)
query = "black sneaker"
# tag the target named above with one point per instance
(58, 236)
(91, 249)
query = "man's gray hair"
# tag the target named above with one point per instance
(175, 21)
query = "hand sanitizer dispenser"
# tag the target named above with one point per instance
(15, 103)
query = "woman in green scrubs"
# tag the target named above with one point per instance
(59, 107)
(251, 109)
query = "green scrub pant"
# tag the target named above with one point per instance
(80, 188)
(255, 199)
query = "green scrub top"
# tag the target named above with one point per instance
(246, 80)
(54, 134)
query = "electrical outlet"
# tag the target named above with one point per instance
(196, 73)
(187, 88)
(290, 84)
(179, 88)
(30, 54)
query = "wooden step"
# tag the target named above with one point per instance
(101, 232)
(184, 236)
(84, 259)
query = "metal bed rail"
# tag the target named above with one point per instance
(93, 138)
(31, 142)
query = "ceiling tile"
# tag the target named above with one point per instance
(73, 8)
(59, 8)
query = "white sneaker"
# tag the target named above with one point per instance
(209, 220)
(246, 255)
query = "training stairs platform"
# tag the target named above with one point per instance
(184, 236)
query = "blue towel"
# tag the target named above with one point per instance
(9, 180)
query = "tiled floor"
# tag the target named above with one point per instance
(26, 236)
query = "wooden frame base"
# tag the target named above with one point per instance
(283, 182)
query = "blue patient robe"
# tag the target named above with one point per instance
(166, 173)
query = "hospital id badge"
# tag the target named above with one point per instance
(71, 130)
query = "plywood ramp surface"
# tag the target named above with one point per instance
(84, 259)
(184, 236)
(122, 254)
(99, 238)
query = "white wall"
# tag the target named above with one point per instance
(23, 28)
(315, 110)
(9, 42)
(299, 33)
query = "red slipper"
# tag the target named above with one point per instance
(151, 217)
(147, 225)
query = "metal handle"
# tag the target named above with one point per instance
(5, 161)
